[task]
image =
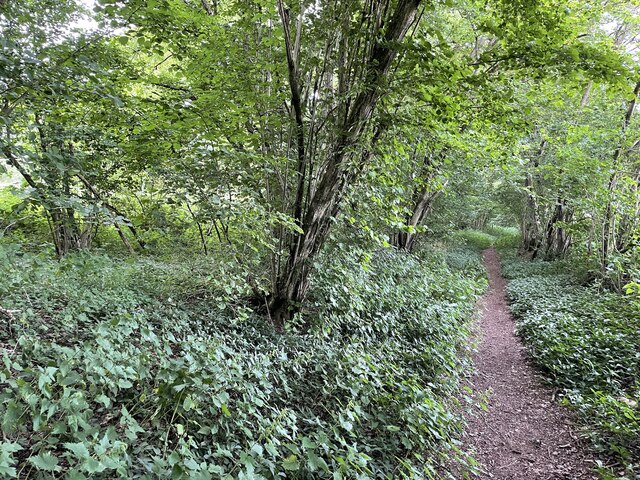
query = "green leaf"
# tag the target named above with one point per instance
(91, 465)
(10, 447)
(10, 418)
(79, 450)
(45, 461)
(191, 464)
(315, 462)
(291, 463)
(8, 471)
(308, 444)
(188, 403)
(103, 399)
(257, 449)
(70, 379)
(124, 383)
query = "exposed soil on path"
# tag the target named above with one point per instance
(524, 435)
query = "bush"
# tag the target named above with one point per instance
(586, 341)
(148, 369)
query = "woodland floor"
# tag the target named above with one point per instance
(524, 434)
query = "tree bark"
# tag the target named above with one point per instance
(531, 223)
(608, 230)
(405, 240)
(323, 207)
(557, 239)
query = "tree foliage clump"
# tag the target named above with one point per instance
(259, 128)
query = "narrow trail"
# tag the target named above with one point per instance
(524, 435)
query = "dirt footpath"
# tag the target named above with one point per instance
(525, 434)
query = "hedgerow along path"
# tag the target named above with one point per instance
(524, 434)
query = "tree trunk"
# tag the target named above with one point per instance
(67, 234)
(608, 230)
(405, 240)
(557, 239)
(292, 282)
(531, 226)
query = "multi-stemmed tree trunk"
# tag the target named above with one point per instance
(531, 225)
(423, 199)
(69, 230)
(557, 238)
(554, 239)
(609, 233)
(315, 208)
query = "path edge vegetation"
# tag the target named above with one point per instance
(135, 375)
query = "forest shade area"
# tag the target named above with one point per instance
(240, 239)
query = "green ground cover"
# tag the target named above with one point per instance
(149, 369)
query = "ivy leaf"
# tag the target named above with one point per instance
(188, 403)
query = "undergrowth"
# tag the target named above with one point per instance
(500, 237)
(149, 369)
(587, 342)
